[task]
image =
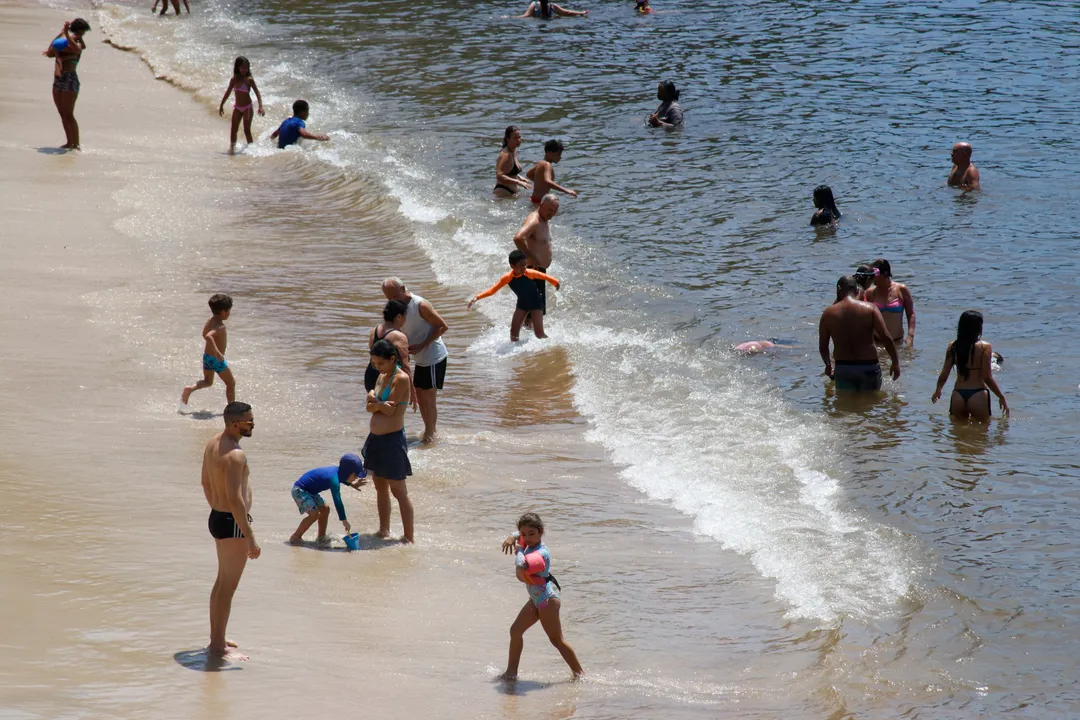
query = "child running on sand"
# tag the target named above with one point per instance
(534, 569)
(290, 131)
(522, 281)
(242, 84)
(213, 359)
(305, 493)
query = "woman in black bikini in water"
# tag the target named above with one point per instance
(974, 376)
(67, 49)
(507, 167)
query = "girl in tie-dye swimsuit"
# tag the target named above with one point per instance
(533, 567)
(242, 83)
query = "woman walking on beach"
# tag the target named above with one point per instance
(242, 84)
(67, 49)
(974, 375)
(507, 167)
(893, 300)
(385, 451)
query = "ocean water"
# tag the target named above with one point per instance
(741, 540)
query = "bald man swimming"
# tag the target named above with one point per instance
(964, 174)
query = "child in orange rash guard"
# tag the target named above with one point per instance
(529, 303)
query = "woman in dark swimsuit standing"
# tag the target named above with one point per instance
(974, 375)
(67, 49)
(507, 167)
(394, 315)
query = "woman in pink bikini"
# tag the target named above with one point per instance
(242, 84)
(893, 300)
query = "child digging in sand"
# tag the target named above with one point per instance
(213, 359)
(529, 303)
(306, 494)
(534, 569)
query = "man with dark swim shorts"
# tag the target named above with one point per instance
(851, 325)
(534, 239)
(228, 492)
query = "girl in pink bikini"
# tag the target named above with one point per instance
(894, 301)
(242, 84)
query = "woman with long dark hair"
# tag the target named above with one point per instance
(974, 375)
(507, 167)
(827, 213)
(669, 114)
(547, 9)
(66, 49)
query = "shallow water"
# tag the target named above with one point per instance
(740, 540)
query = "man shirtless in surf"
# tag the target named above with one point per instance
(228, 492)
(542, 173)
(534, 239)
(851, 325)
(964, 174)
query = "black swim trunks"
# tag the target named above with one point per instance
(222, 525)
(541, 288)
(857, 375)
(428, 377)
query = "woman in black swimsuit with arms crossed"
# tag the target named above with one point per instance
(507, 167)
(67, 49)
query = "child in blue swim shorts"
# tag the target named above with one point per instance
(216, 338)
(306, 494)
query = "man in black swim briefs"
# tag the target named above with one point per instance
(850, 324)
(228, 492)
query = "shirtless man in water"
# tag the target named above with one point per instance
(543, 173)
(534, 239)
(225, 484)
(851, 325)
(964, 174)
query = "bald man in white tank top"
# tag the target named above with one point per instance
(424, 328)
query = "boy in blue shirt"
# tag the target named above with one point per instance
(305, 493)
(290, 131)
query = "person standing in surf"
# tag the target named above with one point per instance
(534, 239)
(394, 315)
(228, 492)
(507, 167)
(424, 327)
(851, 325)
(522, 282)
(533, 567)
(386, 452)
(975, 381)
(543, 173)
(66, 50)
(242, 84)
(894, 301)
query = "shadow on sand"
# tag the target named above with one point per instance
(53, 150)
(367, 542)
(202, 661)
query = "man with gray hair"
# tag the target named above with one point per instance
(534, 239)
(424, 328)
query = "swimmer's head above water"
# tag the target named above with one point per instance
(864, 275)
(511, 137)
(549, 206)
(827, 211)
(666, 90)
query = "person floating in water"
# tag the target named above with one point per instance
(290, 131)
(964, 174)
(242, 84)
(548, 9)
(827, 212)
(543, 173)
(213, 359)
(851, 325)
(974, 360)
(306, 494)
(533, 567)
(643, 8)
(523, 282)
(669, 114)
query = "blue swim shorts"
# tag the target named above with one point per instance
(305, 501)
(209, 362)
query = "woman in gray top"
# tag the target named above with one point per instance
(669, 114)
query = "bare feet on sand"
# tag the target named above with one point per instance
(383, 534)
(186, 395)
(296, 540)
(323, 540)
(507, 677)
